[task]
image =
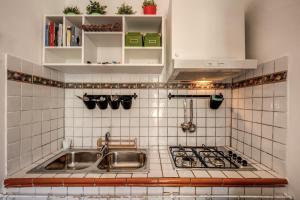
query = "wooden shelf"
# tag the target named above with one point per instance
(99, 47)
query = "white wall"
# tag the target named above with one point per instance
(21, 29)
(2, 120)
(113, 4)
(20, 35)
(273, 30)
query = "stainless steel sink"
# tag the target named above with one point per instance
(119, 161)
(91, 161)
(74, 161)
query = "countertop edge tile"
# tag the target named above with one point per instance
(145, 182)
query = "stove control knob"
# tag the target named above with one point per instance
(234, 156)
(245, 163)
(230, 153)
(239, 159)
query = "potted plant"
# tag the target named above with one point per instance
(95, 8)
(125, 10)
(71, 10)
(149, 7)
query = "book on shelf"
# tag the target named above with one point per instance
(60, 35)
(69, 35)
(53, 34)
(73, 36)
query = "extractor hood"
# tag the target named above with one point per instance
(208, 70)
(206, 40)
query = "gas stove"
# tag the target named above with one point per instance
(207, 157)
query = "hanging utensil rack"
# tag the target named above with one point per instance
(114, 101)
(96, 97)
(215, 100)
(171, 96)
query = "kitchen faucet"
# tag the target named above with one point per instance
(105, 148)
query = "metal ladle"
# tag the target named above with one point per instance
(192, 126)
(185, 125)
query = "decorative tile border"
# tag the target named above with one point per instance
(27, 78)
(266, 79)
(188, 86)
(18, 76)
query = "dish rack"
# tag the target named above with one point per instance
(119, 144)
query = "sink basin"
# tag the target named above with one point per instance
(74, 161)
(123, 161)
(91, 161)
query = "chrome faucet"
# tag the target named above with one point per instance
(105, 148)
(107, 136)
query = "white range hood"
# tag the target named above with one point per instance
(206, 40)
(208, 70)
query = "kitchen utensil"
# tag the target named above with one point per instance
(126, 102)
(216, 101)
(192, 126)
(114, 102)
(89, 101)
(103, 102)
(185, 125)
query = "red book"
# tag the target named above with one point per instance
(52, 34)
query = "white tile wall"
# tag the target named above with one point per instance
(35, 117)
(154, 119)
(146, 192)
(253, 119)
(259, 118)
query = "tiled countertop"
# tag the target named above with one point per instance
(161, 173)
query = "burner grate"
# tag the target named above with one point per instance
(203, 157)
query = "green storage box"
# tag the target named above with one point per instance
(134, 39)
(152, 40)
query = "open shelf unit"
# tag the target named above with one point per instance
(106, 51)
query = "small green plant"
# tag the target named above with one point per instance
(125, 10)
(71, 10)
(149, 3)
(95, 8)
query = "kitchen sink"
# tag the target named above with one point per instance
(124, 161)
(92, 161)
(74, 161)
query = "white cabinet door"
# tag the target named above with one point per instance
(207, 29)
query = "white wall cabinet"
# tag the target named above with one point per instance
(106, 51)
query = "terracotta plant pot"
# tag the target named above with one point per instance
(150, 10)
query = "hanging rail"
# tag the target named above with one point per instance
(95, 97)
(170, 96)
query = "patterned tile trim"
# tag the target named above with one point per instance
(18, 76)
(266, 79)
(189, 86)
(27, 78)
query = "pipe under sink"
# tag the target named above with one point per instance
(92, 161)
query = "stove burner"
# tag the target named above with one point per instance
(186, 162)
(207, 157)
(206, 153)
(218, 162)
(189, 159)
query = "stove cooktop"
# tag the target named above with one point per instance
(206, 157)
